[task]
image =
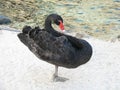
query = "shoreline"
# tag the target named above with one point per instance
(78, 35)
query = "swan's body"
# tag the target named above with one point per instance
(55, 47)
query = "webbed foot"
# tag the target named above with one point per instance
(59, 79)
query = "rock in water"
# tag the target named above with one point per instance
(4, 20)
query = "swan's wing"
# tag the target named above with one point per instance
(75, 42)
(48, 47)
(24, 38)
(59, 46)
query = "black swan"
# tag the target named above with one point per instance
(55, 47)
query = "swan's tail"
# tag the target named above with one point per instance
(26, 29)
(24, 37)
(27, 34)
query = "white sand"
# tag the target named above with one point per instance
(21, 70)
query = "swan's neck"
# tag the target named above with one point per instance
(49, 28)
(48, 25)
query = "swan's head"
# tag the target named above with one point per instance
(56, 19)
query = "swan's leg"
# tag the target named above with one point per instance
(56, 71)
(56, 78)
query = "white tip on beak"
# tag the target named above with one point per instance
(63, 30)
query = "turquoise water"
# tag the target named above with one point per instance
(98, 18)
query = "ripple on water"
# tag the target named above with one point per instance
(116, 0)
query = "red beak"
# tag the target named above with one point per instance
(61, 25)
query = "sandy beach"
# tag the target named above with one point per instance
(21, 70)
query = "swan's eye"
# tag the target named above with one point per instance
(57, 22)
